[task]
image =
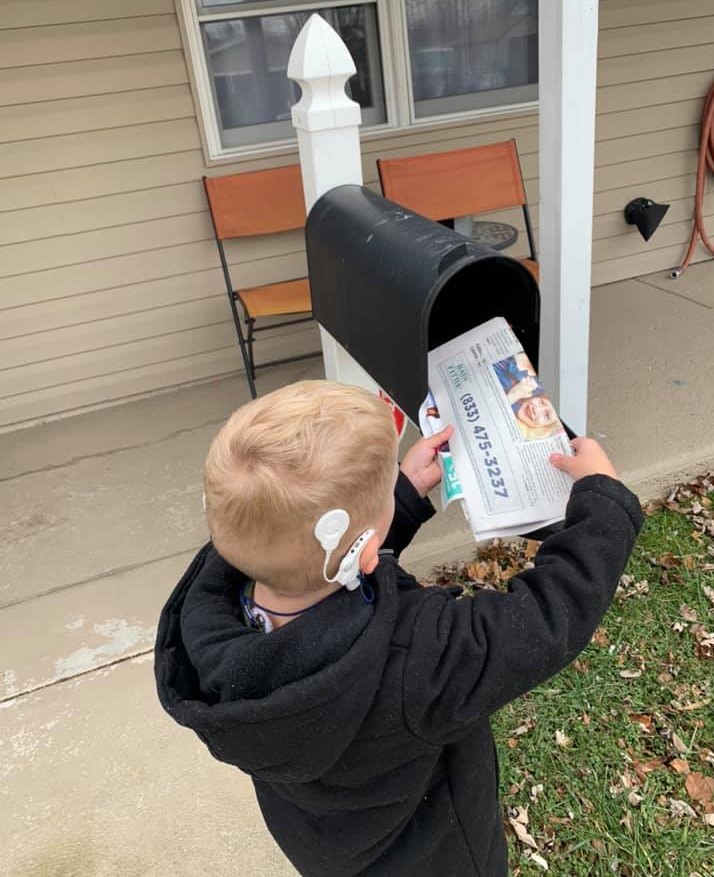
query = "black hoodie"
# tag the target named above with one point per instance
(364, 726)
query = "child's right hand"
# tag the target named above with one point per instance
(589, 459)
(420, 463)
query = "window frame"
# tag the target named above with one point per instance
(400, 107)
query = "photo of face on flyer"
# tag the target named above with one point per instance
(534, 412)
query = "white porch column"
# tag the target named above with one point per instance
(567, 75)
(327, 124)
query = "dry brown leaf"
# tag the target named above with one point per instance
(634, 799)
(527, 726)
(600, 638)
(701, 788)
(531, 549)
(536, 791)
(630, 674)
(678, 809)
(664, 677)
(642, 768)
(628, 587)
(690, 707)
(522, 833)
(679, 765)
(562, 739)
(512, 743)
(539, 860)
(687, 613)
(689, 562)
(585, 719)
(679, 744)
(644, 721)
(708, 593)
(705, 646)
(668, 560)
(477, 571)
(708, 819)
(627, 780)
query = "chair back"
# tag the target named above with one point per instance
(256, 202)
(443, 185)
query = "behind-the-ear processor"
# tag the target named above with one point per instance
(329, 529)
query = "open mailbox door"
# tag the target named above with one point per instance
(389, 285)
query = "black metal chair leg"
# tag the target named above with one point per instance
(250, 323)
(246, 353)
(249, 370)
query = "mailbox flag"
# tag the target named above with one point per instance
(400, 418)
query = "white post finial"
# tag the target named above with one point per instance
(327, 124)
(327, 121)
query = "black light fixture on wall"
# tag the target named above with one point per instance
(646, 215)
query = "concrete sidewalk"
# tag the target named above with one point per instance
(100, 515)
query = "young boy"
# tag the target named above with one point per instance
(358, 701)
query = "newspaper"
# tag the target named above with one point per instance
(505, 427)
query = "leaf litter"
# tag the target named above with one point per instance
(690, 760)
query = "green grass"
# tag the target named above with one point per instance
(582, 820)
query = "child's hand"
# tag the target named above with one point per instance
(589, 459)
(420, 464)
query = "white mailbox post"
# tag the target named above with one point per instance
(327, 124)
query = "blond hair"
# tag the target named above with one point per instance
(283, 460)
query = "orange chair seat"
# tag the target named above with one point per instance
(273, 299)
(532, 267)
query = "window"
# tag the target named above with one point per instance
(417, 61)
(471, 54)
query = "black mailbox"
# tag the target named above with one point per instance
(390, 285)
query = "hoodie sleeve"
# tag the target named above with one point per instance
(410, 512)
(469, 657)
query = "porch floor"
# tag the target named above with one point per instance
(100, 515)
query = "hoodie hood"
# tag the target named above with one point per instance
(281, 706)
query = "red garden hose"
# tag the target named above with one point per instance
(706, 160)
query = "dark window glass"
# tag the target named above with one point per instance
(247, 61)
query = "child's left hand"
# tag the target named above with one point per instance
(420, 464)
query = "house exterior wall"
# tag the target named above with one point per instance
(109, 280)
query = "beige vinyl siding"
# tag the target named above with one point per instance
(109, 277)
(110, 285)
(656, 64)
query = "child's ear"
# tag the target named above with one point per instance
(369, 557)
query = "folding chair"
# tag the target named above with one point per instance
(461, 182)
(259, 203)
